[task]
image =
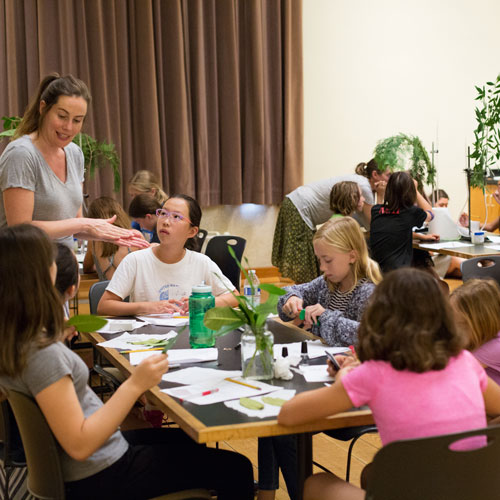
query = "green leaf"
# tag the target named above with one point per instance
(86, 323)
(170, 343)
(251, 404)
(217, 317)
(228, 328)
(272, 289)
(273, 401)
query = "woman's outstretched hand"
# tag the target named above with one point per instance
(104, 230)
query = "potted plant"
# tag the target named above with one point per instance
(256, 340)
(486, 146)
(97, 154)
(403, 152)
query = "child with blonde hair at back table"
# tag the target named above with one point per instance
(414, 375)
(476, 305)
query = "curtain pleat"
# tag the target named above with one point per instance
(207, 94)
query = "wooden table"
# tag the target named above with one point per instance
(216, 422)
(466, 252)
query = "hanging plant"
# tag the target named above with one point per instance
(486, 146)
(96, 154)
(405, 152)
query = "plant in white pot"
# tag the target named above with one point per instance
(256, 340)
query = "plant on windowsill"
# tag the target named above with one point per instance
(97, 154)
(256, 340)
(405, 152)
(486, 146)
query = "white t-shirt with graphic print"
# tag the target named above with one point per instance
(147, 279)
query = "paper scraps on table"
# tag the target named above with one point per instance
(179, 356)
(165, 319)
(268, 410)
(121, 325)
(126, 340)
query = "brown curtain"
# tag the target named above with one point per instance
(207, 94)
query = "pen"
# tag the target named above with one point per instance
(204, 393)
(242, 383)
(143, 350)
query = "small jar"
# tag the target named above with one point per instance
(200, 301)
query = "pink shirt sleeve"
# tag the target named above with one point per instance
(477, 368)
(363, 383)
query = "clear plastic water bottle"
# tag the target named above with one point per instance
(200, 301)
(254, 298)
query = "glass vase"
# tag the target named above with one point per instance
(257, 354)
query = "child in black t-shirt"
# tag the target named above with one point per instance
(392, 223)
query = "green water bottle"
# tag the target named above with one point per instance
(200, 301)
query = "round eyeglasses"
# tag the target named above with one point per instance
(172, 216)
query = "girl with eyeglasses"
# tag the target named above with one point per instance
(159, 279)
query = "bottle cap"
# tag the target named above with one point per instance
(284, 352)
(202, 288)
(303, 347)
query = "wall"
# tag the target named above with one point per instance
(373, 69)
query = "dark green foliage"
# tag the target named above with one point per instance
(486, 146)
(392, 152)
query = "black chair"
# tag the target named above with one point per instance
(200, 238)
(481, 267)
(348, 434)
(11, 451)
(217, 250)
(45, 478)
(95, 293)
(427, 469)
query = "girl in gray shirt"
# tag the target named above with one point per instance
(98, 461)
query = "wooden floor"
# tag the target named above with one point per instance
(329, 452)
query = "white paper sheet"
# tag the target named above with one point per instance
(165, 320)
(268, 410)
(179, 356)
(315, 349)
(226, 390)
(197, 375)
(315, 373)
(116, 325)
(493, 238)
(125, 340)
(445, 244)
(493, 247)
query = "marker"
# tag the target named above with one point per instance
(142, 350)
(242, 383)
(204, 393)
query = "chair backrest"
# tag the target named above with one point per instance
(481, 267)
(426, 468)
(95, 293)
(200, 238)
(217, 250)
(11, 448)
(45, 480)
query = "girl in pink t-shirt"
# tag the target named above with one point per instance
(476, 305)
(415, 376)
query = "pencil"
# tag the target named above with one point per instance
(242, 383)
(143, 350)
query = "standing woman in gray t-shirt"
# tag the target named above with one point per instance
(41, 170)
(308, 206)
